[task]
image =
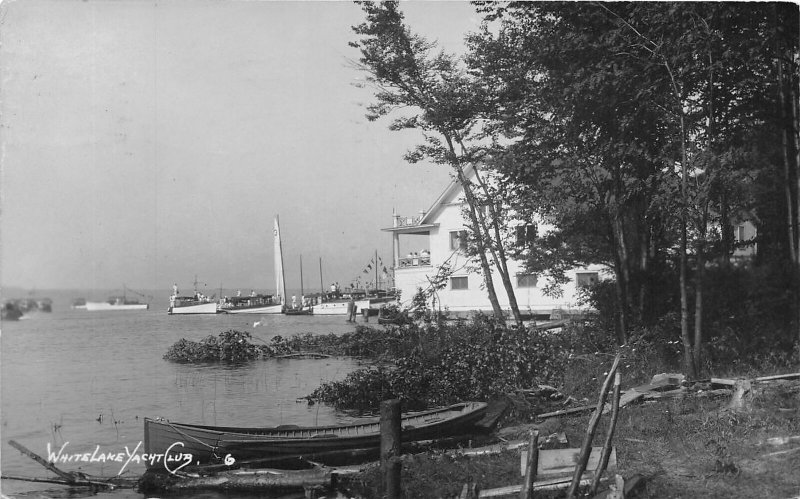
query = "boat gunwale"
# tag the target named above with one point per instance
(468, 409)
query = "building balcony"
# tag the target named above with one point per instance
(407, 221)
(416, 261)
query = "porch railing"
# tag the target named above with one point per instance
(417, 261)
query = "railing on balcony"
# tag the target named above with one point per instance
(417, 261)
(408, 221)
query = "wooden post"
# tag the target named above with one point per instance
(601, 468)
(742, 395)
(586, 448)
(532, 466)
(390, 448)
(469, 491)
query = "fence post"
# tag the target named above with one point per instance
(390, 448)
(531, 466)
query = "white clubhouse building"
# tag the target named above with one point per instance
(435, 238)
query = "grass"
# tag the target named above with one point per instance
(694, 447)
(689, 447)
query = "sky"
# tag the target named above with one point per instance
(148, 142)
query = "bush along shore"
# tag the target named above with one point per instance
(690, 444)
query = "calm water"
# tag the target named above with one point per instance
(88, 378)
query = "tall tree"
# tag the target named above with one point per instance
(643, 117)
(439, 99)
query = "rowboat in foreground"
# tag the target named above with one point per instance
(208, 444)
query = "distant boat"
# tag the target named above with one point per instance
(253, 304)
(79, 303)
(45, 304)
(117, 303)
(302, 308)
(10, 312)
(197, 303)
(337, 302)
(262, 303)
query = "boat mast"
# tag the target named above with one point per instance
(321, 286)
(280, 281)
(376, 271)
(301, 277)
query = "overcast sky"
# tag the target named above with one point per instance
(148, 142)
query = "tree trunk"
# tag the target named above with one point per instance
(789, 145)
(619, 289)
(698, 299)
(499, 257)
(473, 215)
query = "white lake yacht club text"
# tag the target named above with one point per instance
(172, 459)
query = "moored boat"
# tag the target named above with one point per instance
(191, 305)
(115, 303)
(196, 303)
(10, 312)
(299, 311)
(253, 304)
(209, 443)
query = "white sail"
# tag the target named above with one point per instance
(280, 283)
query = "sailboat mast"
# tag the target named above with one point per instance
(301, 276)
(280, 281)
(321, 286)
(376, 271)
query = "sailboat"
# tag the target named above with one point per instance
(301, 309)
(261, 303)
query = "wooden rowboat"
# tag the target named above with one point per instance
(211, 444)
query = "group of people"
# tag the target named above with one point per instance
(416, 257)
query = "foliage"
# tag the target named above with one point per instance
(440, 99)
(441, 363)
(636, 129)
(231, 347)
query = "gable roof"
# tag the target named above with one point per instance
(447, 196)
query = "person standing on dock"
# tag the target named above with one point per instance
(351, 309)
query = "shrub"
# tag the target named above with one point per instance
(230, 347)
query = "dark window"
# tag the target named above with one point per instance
(526, 234)
(585, 279)
(459, 283)
(458, 239)
(527, 280)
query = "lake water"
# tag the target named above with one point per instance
(83, 379)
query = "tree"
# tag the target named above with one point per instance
(642, 120)
(440, 100)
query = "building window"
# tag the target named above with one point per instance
(459, 283)
(585, 279)
(739, 234)
(526, 234)
(527, 280)
(458, 239)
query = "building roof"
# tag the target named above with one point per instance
(447, 196)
